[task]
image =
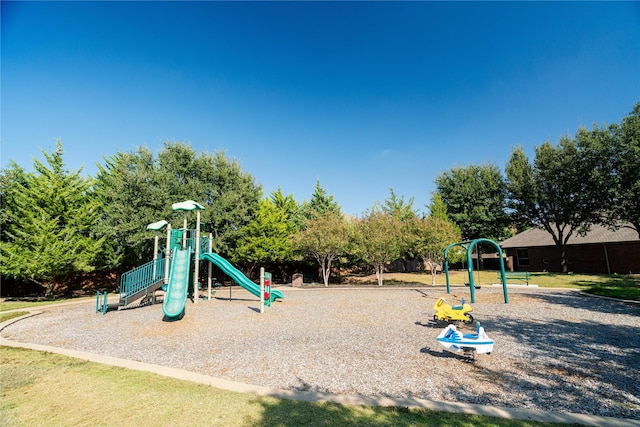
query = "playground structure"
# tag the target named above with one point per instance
(172, 270)
(468, 246)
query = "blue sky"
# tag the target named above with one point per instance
(363, 96)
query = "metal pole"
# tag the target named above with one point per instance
(503, 276)
(210, 265)
(167, 255)
(470, 271)
(196, 272)
(184, 232)
(155, 254)
(261, 289)
(104, 304)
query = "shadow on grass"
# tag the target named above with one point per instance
(296, 413)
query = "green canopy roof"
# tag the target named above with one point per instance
(188, 205)
(157, 225)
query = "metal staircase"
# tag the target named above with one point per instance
(142, 281)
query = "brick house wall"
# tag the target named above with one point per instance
(622, 257)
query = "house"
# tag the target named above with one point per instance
(602, 250)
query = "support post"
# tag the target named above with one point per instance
(261, 289)
(184, 231)
(196, 268)
(468, 245)
(167, 255)
(210, 249)
(104, 304)
(472, 285)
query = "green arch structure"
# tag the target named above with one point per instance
(469, 245)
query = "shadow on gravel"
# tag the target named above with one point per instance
(566, 363)
(586, 302)
(443, 354)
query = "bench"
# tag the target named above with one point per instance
(516, 275)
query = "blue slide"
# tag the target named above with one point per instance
(178, 287)
(237, 275)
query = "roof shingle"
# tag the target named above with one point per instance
(598, 234)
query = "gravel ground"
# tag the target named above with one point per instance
(556, 350)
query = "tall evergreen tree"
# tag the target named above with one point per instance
(266, 240)
(10, 178)
(320, 203)
(53, 232)
(437, 208)
(403, 211)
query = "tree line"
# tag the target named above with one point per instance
(58, 223)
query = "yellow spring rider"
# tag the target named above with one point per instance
(447, 313)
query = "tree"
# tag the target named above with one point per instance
(379, 240)
(615, 152)
(325, 236)
(475, 197)
(138, 189)
(290, 208)
(127, 187)
(11, 178)
(51, 232)
(434, 234)
(438, 208)
(266, 238)
(320, 203)
(403, 212)
(555, 192)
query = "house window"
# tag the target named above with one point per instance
(523, 257)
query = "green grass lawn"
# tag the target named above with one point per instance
(615, 286)
(40, 388)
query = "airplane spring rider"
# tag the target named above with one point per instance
(458, 313)
(466, 345)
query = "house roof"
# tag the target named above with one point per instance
(597, 234)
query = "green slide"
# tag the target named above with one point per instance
(176, 296)
(237, 275)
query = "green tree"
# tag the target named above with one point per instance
(379, 240)
(320, 203)
(51, 233)
(288, 205)
(11, 178)
(138, 189)
(475, 197)
(324, 236)
(127, 186)
(434, 234)
(438, 208)
(403, 211)
(616, 154)
(267, 237)
(555, 192)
